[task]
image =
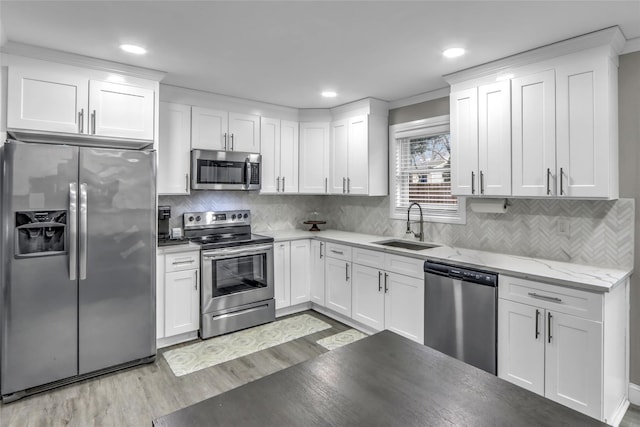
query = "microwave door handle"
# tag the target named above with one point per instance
(247, 172)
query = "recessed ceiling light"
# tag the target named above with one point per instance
(329, 94)
(453, 52)
(131, 48)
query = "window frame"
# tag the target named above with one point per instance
(431, 126)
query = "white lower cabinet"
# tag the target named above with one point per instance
(338, 285)
(316, 269)
(177, 294)
(384, 299)
(292, 272)
(566, 344)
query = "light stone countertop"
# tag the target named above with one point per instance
(588, 277)
(182, 247)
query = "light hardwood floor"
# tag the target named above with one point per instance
(136, 396)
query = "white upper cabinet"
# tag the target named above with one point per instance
(209, 129)
(481, 140)
(534, 134)
(53, 97)
(120, 110)
(220, 130)
(173, 152)
(359, 155)
(314, 157)
(279, 149)
(559, 106)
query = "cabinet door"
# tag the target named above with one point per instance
(494, 139)
(338, 285)
(314, 158)
(282, 274)
(464, 142)
(289, 156)
(160, 286)
(182, 302)
(47, 100)
(317, 272)
(270, 150)
(209, 129)
(300, 273)
(584, 141)
(120, 110)
(573, 375)
(339, 157)
(174, 148)
(244, 130)
(358, 155)
(533, 137)
(404, 306)
(368, 296)
(521, 334)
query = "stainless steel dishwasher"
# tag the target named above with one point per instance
(460, 313)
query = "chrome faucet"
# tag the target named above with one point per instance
(421, 234)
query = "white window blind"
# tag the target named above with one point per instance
(423, 174)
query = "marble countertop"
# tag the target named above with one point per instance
(588, 277)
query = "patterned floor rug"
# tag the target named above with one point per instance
(191, 358)
(343, 338)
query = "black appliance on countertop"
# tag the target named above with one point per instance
(164, 230)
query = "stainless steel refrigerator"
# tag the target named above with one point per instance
(78, 271)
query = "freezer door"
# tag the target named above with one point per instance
(39, 313)
(116, 257)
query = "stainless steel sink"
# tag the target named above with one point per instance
(405, 244)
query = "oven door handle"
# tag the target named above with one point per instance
(232, 252)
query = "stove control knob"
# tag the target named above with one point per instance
(246, 216)
(190, 219)
(233, 216)
(198, 218)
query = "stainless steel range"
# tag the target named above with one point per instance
(237, 284)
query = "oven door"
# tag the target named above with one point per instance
(236, 276)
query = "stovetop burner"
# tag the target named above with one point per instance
(221, 229)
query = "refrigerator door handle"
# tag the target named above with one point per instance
(73, 230)
(83, 231)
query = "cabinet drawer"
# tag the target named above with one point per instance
(337, 251)
(413, 267)
(572, 301)
(369, 258)
(182, 261)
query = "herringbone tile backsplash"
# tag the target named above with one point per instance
(601, 232)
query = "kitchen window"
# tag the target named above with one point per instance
(421, 171)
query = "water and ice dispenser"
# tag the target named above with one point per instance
(40, 233)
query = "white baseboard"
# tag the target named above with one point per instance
(634, 394)
(176, 339)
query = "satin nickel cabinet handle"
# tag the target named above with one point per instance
(561, 189)
(544, 297)
(473, 182)
(321, 246)
(537, 323)
(379, 281)
(197, 280)
(548, 182)
(344, 185)
(346, 271)
(278, 184)
(481, 182)
(348, 185)
(386, 287)
(186, 182)
(337, 252)
(283, 184)
(549, 317)
(326, 184)
(93, 122)
(225, 141)
(81, 121)
(231, 142)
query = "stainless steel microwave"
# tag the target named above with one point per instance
(225, 170)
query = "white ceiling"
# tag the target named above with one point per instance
(286, 53)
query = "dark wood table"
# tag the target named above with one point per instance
(381, 380)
